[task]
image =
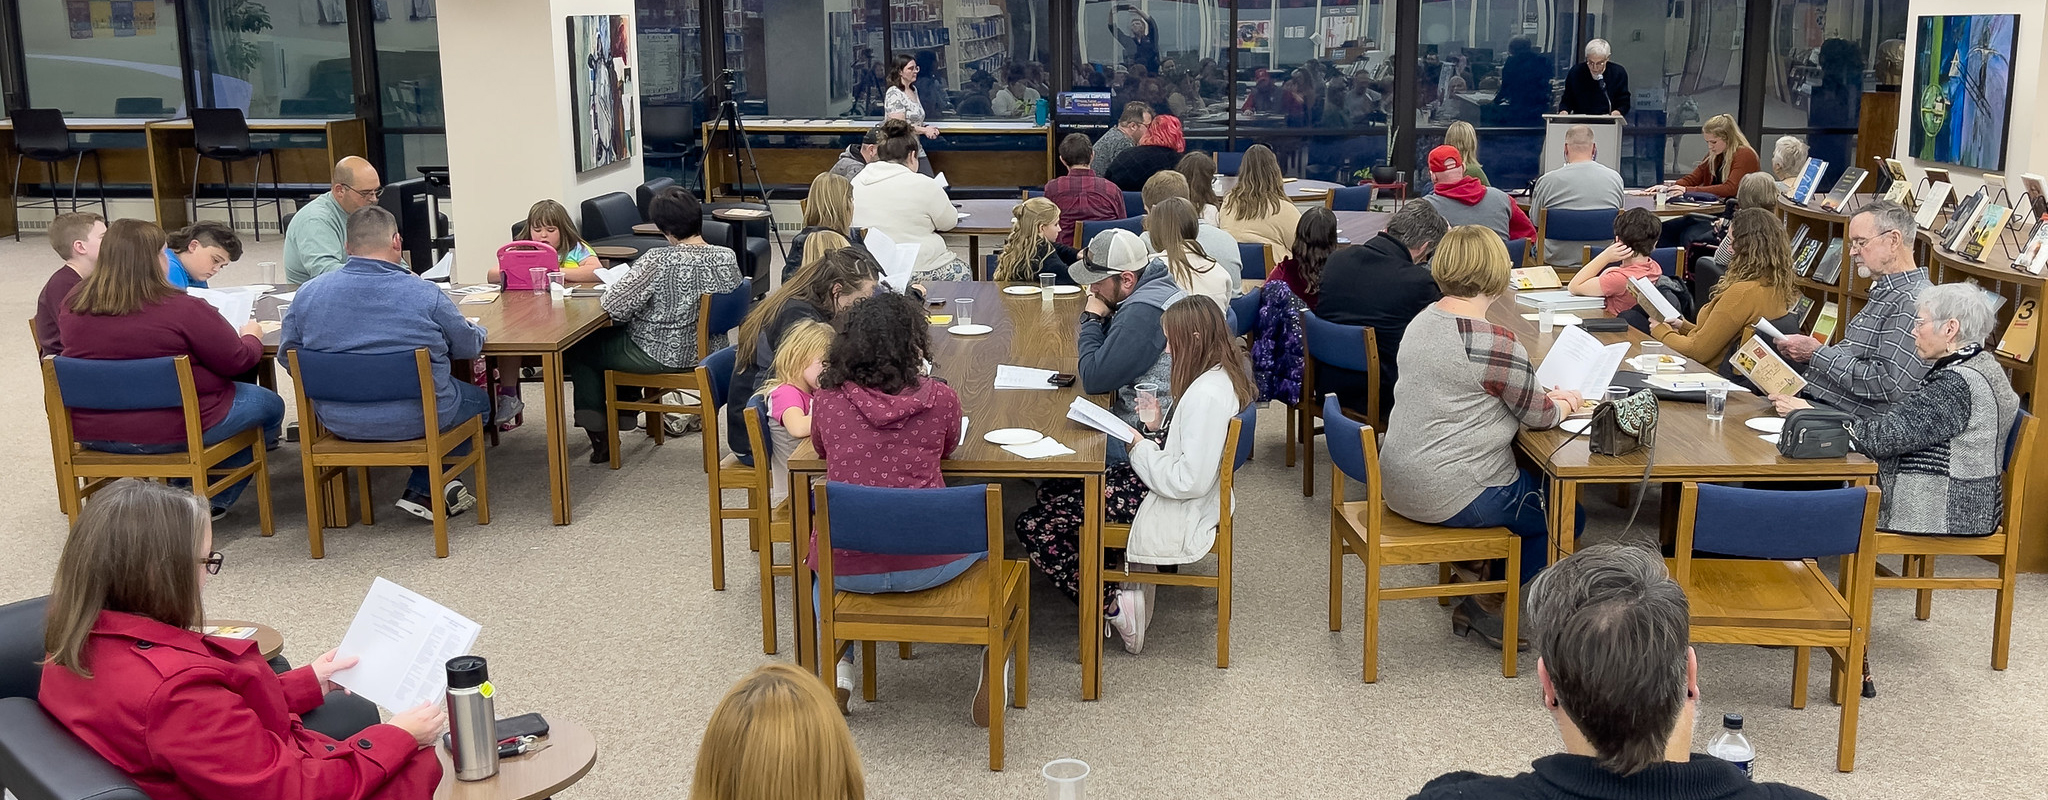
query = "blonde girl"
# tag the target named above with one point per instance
(1461, 135)
(798, 362)
(776, 736)
(828, 208)
(1034, 246)
(1729, 158)
(548, 222)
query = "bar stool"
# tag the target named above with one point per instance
(222, 134)
(41, 135)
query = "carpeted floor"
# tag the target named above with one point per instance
(611, 621)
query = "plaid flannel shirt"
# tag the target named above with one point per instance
(1874, 364)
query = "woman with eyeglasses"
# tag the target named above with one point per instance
(185, 715)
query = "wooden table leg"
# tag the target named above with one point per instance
(1091, 597)
(1565, 503)
(558, 437)
(800, 583)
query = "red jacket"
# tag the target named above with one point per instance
(190, 716)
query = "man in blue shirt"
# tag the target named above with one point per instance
(199, 251)
(372, 305)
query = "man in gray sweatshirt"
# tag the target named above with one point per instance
(1120, 342)
(1582, 184)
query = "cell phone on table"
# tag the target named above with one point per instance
(1061, 379)
(510, 728)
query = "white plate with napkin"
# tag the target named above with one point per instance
(1012, 436)
(1765, 424)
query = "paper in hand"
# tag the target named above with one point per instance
(1579, 362)
(1765, 327)
(235, 305)
(404, 642)
(1100, 418)
(899, 261)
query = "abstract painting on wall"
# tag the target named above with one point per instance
(600, 89)
(1962, 79)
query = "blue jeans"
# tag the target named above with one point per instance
(1519, 507)
(909, 580)
(470, 400)
(253, 406)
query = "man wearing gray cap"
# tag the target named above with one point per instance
(1121, 342)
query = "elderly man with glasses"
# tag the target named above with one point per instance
(1596, 86)
(315, 244)
(1874, 363)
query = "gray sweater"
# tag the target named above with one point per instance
(1940, 450)
(1577, 186)
(1491, 212)
(1466, 390)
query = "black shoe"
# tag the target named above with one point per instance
(600, 449)
(219, 513)
(1468, 618)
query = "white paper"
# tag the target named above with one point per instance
(285, 296)
(235, 305)
(941, 178)
(1010, 376)
(1099, 418)
(442, 268)
(611, 275)
(963, 431)
(1559, 300)
(1047, 447)
(1556, 318)
(1688, 382)
(1765, 327)
(404, 641)
(1664, 309)
(898, 261)
(1577, 361)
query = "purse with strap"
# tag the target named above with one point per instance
(1623, 426)
(1815, 433)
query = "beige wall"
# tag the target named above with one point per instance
(509, 144)
(2027, 144)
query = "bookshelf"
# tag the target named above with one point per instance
(1846, 291)
(967, 36)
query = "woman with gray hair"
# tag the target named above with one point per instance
(1756, 190)
(1788, 159)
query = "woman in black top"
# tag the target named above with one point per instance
(817, 292)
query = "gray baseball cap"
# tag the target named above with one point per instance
(1111, 252)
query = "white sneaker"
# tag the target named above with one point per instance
(509, 406)
(1130, 620)
(843, 692)
(418, 505)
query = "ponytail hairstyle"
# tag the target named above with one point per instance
(1024, 248)
(899, 142)
(1173, 225)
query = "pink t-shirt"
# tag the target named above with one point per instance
(781, 399)
(1614, 283)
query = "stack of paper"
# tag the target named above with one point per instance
(235, 305)
(1559, 300)
(898, 261)
(1010, 376)
(1688, 382)
(1047, 447)
(1559, 318)
(404, 642)
(611, 275)
(1579, 362)
(1101, 419)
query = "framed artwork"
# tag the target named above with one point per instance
(600, 89)
(1962, 89)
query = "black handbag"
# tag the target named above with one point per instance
(1815, 433)
(1623, 426)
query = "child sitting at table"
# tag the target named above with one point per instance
(1607, 275)
(1034, 246)
(548, 222)
(798, 363)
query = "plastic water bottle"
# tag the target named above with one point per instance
(1731, 746)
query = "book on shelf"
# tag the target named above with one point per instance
(1989, 226)
(1804, 308)
(1809, 253)
(2037, 195)
(2034, 254)
(1895, 170)
(1830, 267)
(1824, 325)
(1798, 240)
(1539, 277)
(1931, 204)
(1761, 365)
(1845, 187)
(2021, 333)
(1809, 180)
(1960, 222)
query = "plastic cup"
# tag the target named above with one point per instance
(1616, 393)
(537, 280)
(1149, 404)
(1046, 281)
(1717, 403)
(267, 272)
(558, 281)
(963, 311)
(1546, 321)
(1066, 779)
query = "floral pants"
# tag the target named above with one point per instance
(1051, 529)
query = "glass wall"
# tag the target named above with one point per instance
(1498, 66)
(1174, 56)
(672, 97)
(272, 59)
(1824, 55)
(89, 62)
(1684, 63)
(409, 67)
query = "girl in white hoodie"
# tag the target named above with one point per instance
(891, 196)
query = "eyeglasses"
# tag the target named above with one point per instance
(366, 193)
(1859, 242)
(212, 562)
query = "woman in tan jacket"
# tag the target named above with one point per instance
(1257, 209)
(1758, 285)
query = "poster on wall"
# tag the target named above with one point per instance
(93, 19)
(599, 89)
(1962, 89)
(661, 65)
(1255, 36)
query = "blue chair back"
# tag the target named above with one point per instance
(1347, 448)
(758, 404)
(1228, 163)
(1244, 312)
(1335, 345)
(870, 519)
(988, 265)
(2012, 437)
(1784, 525)
(359, 377)
(124, 385)
(729, 309)
(1568, 225)
(1518, 251)
(1351, 198)
(1254, 257)
(1087, 229)
(1031, 193)
(1666, 257)
(719, 364)
(1134, 204)
(1248, 424)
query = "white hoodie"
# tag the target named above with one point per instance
(1176, 524)
(907, 207)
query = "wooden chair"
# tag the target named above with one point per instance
(1237, 449)
(57, 447)
(1350, 198)
(988, 605)
(716, 313)
(779, 521)
(2001, 548)
(1770, 591)
(389, 377)
(1352, 347)
(1382, 538)
(724, 472)
(141, 385)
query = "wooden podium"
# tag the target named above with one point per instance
(1606, 138)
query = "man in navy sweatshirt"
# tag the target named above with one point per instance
(372, 305)
(1120, 342)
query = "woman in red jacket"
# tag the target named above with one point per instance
(1729, 157)
(191, 716)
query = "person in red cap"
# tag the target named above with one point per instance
(1465, 201)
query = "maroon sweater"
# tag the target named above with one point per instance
(51, 303)
(180, 325)
(892, 441)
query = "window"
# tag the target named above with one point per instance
(1684, 63)
(1175, 56)
(274, 59)
(1496, 65)
(1821, 57)
(88, 66)
(409, 67)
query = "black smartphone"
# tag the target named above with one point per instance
(522, 725)
(1061, 379)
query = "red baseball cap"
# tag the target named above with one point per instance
(1444, 158)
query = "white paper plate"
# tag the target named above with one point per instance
(969, 330)
(1020, 290)
(1770, 437)
(1012, 436)
(961, 214)
(1575, 426)
(1766, 424)
(1064, 290)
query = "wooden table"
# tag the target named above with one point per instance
(1358, 227)
(171, 157)
(793, 151)
(984, 218)
(570, 754)
(523, 324)
(1689, 447)
(614, 252)
(1026, 335)
(268, 641)
(647, 229)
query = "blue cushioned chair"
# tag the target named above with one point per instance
(1518, 251)
(1382, 538)
(140, 385)
(1228, 163)
(1134, 204)
(1244, 313)
(1352, 347)
(1350, 198)
(1595, 225)
(1746, 559)
(1086, 229)
(988, 605)
(988, 266)
(1666, 257)
(406, 376)
(1257, 258)
(1030, 193)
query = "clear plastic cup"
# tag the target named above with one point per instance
(537, 280)
(1046, 281)
(1717, 403)
(1066, 779)
(1150, 404)
(267, 272)
(963, 311)
(1546, 320)
(558, 281)
(1616, 393)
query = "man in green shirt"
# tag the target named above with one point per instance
(316, 242)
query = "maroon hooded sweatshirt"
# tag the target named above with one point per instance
(892, 441)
